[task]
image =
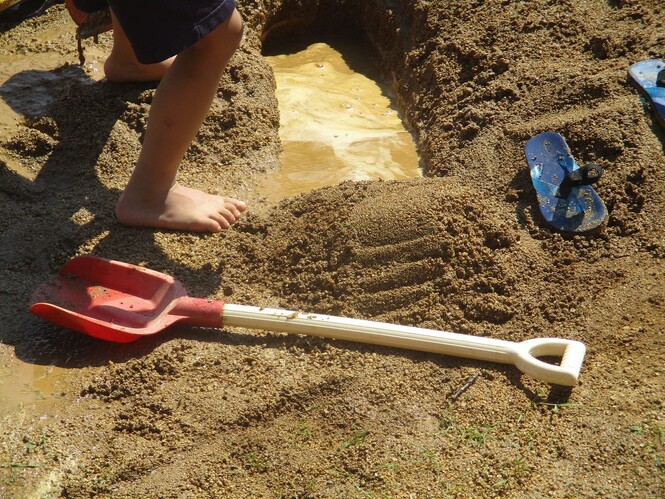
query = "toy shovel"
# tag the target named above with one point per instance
(120, 302)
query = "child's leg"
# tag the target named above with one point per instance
(182, 100)
(122, 64)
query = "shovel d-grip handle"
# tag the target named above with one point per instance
(523, 355)
(566, 373)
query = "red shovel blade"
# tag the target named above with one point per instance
(118, 302)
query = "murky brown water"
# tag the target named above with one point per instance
(23, 384)
(336, 123)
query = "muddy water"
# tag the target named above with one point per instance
(337, 122)
(23, 384)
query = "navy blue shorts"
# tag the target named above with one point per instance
(159, 29)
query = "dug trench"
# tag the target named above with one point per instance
(241, 413)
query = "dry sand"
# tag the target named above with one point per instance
(240, 413)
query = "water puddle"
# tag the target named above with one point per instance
(25, 385)
(338, 121)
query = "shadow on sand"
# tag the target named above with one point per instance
(54, 206)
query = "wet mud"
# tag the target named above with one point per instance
(232, 412)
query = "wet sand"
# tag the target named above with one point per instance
(243, 413)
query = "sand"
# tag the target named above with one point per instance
(244, 413)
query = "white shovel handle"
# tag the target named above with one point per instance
(522, 355)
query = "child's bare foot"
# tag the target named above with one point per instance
(123, 70)
(183, 209)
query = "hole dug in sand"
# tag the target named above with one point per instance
(338, 118)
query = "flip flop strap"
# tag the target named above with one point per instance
(549, 189)
(657, 90)
(660, 78)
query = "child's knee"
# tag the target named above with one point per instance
(236, 26)
(225, 37)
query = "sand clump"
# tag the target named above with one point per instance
(241, 413)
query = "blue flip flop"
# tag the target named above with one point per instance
(649, 78)
(565, 196)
